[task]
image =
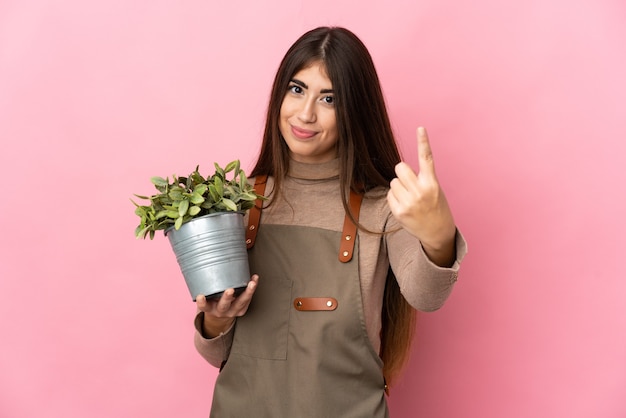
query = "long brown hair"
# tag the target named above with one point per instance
(366, 150)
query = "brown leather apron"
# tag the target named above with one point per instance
(302, 349)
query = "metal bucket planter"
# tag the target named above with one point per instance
(211, 252)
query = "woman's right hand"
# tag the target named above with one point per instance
(219, 314)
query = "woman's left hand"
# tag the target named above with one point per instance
(420, 206)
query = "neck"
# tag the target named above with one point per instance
(319, 171)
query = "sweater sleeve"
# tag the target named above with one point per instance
(425, 285)
(214, 350)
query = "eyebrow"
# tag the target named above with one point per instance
(304, 86)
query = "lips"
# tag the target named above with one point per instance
(302, 133)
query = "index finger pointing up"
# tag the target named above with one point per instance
(425, 154)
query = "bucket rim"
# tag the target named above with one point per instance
(209, 215)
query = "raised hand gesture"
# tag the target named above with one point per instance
(420, 206)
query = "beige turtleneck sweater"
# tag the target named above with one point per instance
(311, 197)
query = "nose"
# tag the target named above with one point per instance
(307, 111)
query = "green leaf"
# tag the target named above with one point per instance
(197, 178)
(229, 190)
(144, 232)
(243, 180)
(173, 214)
(196, 198)
(214, 194)
(159, 181)
(219, 186)
(178, 223)
(194, 210)
(183, 207)
(233, 165)
(176, 194)
(245, 205)
(248, 196)
(200, 189)
(230, 205)
(219, 171)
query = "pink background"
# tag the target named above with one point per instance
(525, 103)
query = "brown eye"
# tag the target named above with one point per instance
(294, 88)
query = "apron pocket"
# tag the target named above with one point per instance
(263, 331)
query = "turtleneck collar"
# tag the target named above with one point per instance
(321, 171)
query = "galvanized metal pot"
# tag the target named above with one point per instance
(211, 252)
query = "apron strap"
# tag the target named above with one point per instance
(255, 213)
(348, 235)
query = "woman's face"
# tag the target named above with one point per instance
(307, 116)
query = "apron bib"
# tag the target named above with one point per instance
(302, 347)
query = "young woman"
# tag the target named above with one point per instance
(349, 244)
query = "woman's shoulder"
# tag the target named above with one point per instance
(375, 210)
(377, 192)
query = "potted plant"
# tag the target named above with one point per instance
(203, 220)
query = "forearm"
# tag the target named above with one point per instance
(214, 350)
(424, 284)
(442, 253)
(213, 327)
